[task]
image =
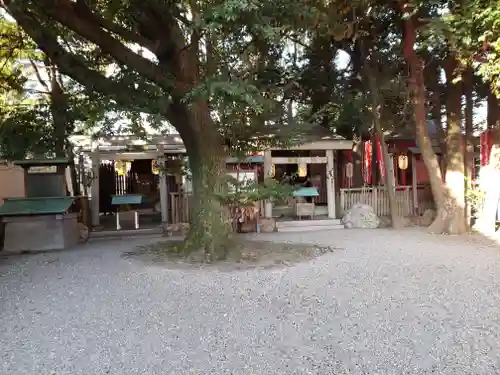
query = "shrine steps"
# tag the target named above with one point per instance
(308, 225)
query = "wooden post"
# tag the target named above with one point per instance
(268, 166)
(163, 186)
(342, 201)
(330, 183)
(94, 190)
(118, 227)
(414, 183)
(81, 171)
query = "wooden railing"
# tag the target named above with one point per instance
(179, 207)
(378, 198)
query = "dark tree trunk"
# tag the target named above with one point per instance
(432, 76)
(430, 158)
(320, 59)
(389, 174)
(469, 129)
(62, 125)
(417, 87)
(210, 226)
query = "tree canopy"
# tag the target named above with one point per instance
(221, 72)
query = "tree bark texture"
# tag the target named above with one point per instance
(432, 76)
(389, 174)
(210, 226)
(455, 173)
(417, 86)
(468, 88)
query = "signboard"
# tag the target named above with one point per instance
(43, 169)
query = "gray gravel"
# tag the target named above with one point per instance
(390, 303)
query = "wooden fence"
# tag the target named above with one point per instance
(378, 198)
(179, 207)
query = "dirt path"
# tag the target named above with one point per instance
(384, 303)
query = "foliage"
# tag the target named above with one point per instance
(474, 195)
(242, 196)
(471, 29)
(247, 192)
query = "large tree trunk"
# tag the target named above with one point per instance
(210, 225)
(469, 129)
(432, 76)
(430, 158)
(389, 174)
(454, 222)
(417, 87)
(448, 206)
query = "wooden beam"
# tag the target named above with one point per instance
(339, 144)
(298, 160)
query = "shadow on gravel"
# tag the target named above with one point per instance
(244, 255)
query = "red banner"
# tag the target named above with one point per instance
(483, 149)
(486, 145)
(380, 159)
(367, 162)
(349, 156)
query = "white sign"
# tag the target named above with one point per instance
(43, 169)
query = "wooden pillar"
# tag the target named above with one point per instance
(414, 183)
(94, 189)
(395, 170)
(81, 172)
(163, 186)
(268, 167)
(330, 183)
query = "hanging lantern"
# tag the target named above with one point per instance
(121, 167)
(349, 170)
(155, 167)
(403, 162)
(302, 170)
(273, 170)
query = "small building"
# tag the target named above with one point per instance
(11, 181)
(313, 159)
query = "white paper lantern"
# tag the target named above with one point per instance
(403, 162)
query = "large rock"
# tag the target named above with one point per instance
(427, 218)
(267, 225)
(361, 216)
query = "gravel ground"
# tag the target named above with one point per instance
(390, 303)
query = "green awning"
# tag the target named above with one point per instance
(257, 159)
(36, 206)
(119, 200)
(42, 162)
(306, 192)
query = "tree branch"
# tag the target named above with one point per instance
(63, 12)
(82, 9)
(73, 67)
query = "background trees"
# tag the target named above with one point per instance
(222, 71)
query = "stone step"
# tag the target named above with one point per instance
(302, 223)
(308, 225)
(310, 228)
